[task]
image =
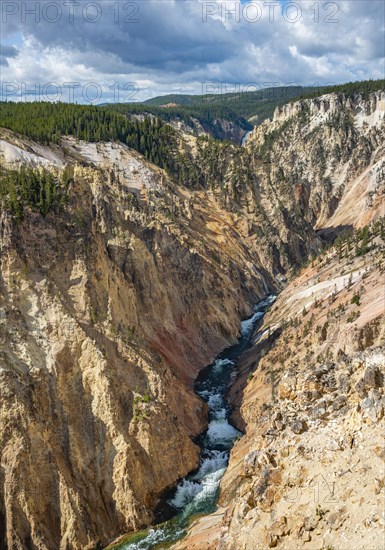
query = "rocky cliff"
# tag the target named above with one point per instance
(108, 311)
(112, 304)
(325, 156)
(310, 393)
(309, 472)
(219, 128)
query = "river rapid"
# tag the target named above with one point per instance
(197, 493)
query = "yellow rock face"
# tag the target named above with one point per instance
(107, 314)
(310, 470)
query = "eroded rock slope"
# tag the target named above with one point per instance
(108, 311)
(111, 305)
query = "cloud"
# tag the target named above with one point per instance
(168, 46)
(7, 52)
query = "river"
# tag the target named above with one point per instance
(197, 493)
(245, 137)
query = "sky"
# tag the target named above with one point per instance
(130, 50)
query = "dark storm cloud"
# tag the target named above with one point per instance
(170, 47)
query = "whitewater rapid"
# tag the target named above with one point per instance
(198, 492)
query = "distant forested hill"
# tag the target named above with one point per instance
(151, 136)
(206, 114)
(243, 109)
(259, 104)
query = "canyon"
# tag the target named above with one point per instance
(309, 472)
(110, 308)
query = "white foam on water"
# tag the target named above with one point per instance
(248, 325)
(221, 432)
(214, 463)
(212, 479)
(204, 394)
(267, 302)
(220, 415)
(221, 363)
(214, 453)
(154, 537)
(215, 402)
(209, 487)
(185, 493)
(207, 480)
